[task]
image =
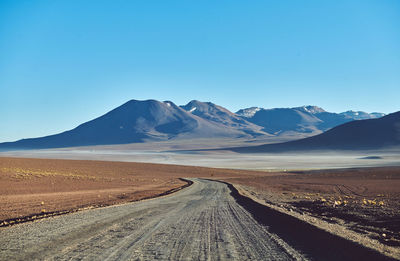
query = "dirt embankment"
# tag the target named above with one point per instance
(36, 188)
(366, 201)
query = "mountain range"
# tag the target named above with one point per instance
(151, 120)
(306, 119)
(356, 135)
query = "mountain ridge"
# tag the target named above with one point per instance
(151, 120)
(137, 121)
(304, 119)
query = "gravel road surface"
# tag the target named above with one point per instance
(201, 222)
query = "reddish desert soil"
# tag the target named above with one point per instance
(366, 200)
(36, 188)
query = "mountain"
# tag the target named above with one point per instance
(277, 121)
(150, 120)
(356, 135)
(305, 119)
(360, 115)
(217, 114)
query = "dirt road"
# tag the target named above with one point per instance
(202, 222)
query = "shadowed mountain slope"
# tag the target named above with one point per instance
(355, 135)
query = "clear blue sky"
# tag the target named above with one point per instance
(66, 62)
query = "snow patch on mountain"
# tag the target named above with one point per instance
(248, 112)
(310, 109)
(360, 115)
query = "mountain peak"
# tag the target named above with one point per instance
(199, 107)
(169, 103)
(133, 101)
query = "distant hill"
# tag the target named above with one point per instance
(306, 119)
(151, 120)
(356, 135)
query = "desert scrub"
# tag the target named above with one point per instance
(20, 173)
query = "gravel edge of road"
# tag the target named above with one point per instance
(329, 240)
(39, 216)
